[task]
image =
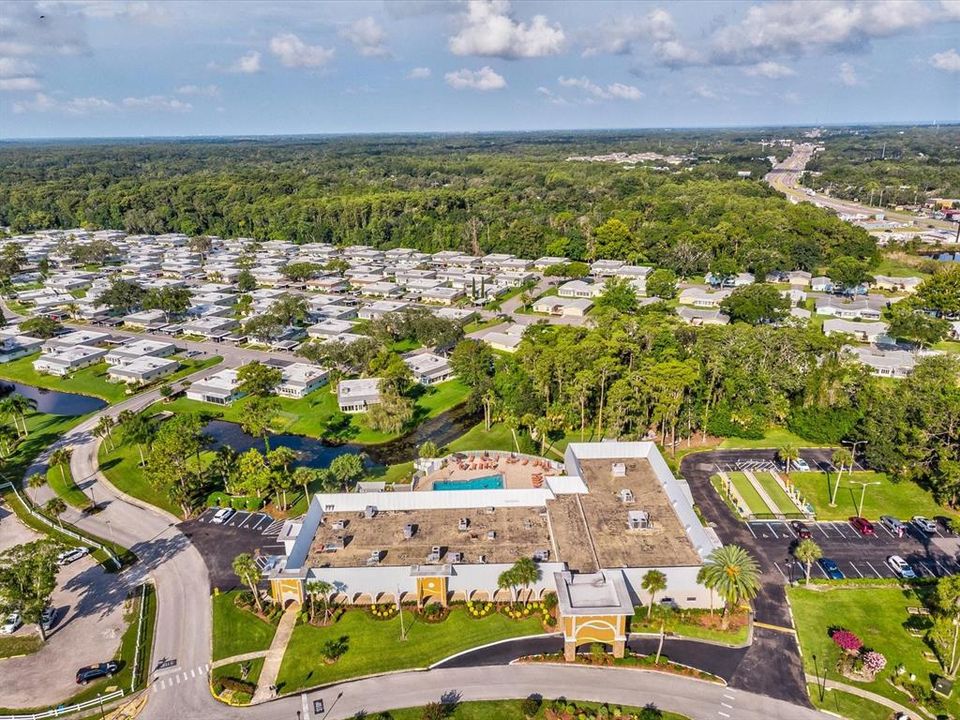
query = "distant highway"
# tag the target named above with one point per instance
(785, 177)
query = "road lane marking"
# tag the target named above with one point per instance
(874, 569)
(726, 705)
(777, 628)
(193, 673)
(720, 712)
(729, 697)
(856, 570)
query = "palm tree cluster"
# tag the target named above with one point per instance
(732, 573)
(524, 573)
(16, 407)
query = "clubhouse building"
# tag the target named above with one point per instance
(595, 524)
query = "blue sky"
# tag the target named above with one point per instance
(100, 68)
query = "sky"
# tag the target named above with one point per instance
(137, 68)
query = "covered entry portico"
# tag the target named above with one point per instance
(593, 609)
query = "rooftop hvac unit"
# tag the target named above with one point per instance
(638, 520)
(626, 496)
(463, 524)
(435, 553)
(409, 530)
(541, 555)
(619, 470)
(374, 558)
(491, 534)
(482, 559)
(456, 557)
(370, 511)
(339, 524)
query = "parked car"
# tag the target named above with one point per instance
(95, 672)
(222, 515)
(72, 555)
(862, 526)
(801, 530)
(924, 524)
(47, 618)
(830, 568)
(901, 567)
(11, 624)
(800, 465)
(893, 525)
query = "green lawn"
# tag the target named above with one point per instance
(774, 438)
(375, 645)
(62, 484)
(903, 499)
(847, 705)
(748, 492)
(776, 493)
(511, 710)
(233, 670)
(88, 381)
(477, 438)
(122, 468)
(237, 631)
(687, 624)
(319, 416)
(896, 268)
(20, 645)
(877, 616)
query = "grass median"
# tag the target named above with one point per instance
(515, 710)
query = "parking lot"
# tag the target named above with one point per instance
(856, 555)
(219, 544)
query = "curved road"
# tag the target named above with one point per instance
(785, 177)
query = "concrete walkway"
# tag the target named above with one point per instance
(243, 657)
(867, 695)
(274, 656)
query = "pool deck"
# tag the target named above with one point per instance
(516, 475)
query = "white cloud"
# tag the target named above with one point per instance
(43, 103)
(246, 64)
(848, 75)
(623, 35)
(136, 10)
(950, 8)
(199, 90)
(483, 79)
(18, 75)
(294, 52)
(948, 61)
(419, 73)
(489, 30)
(551, 96)
(705, 92)
(157, 102)
(769, 69)
(367, 36)
(614, 91)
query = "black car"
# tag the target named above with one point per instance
(95, 672)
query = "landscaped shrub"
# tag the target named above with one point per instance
(478, 609)
(383, 611)
(253, 503)
(531, 705)
(873, 661)
(237, 686)
(847, 641)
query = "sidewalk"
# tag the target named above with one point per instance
(867, 695)
(274, 656)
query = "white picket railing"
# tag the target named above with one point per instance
(67, 709)
(137, 655)
(55, 526)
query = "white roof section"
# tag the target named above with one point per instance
(446, 500)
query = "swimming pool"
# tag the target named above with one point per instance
(488, 482)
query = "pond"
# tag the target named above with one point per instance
(53, 402)
(316, 453)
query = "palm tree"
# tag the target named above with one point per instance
(56, 506)
(303, 476)
(37, 480)
(245, 568)
(808, 552)
(735, 576)
(323, 589)
(507, 581)
(653, 582)
(59, 458)
(702, 580)
(788, 453)
(841, 457)
(7, 436)
(19, 406)
(104, 428)
(489, 402)
(138, 429)
(526, 573)
(513, 422)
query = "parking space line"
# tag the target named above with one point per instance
(261, 521)
(235, 520)
(770, 528)
(856, 569)
(884, 528)
(782, 574)
(837, 528)
(751, 530)
(822, 571)
(873, 568)
(820, 527)
(244, 523)
(927, 566)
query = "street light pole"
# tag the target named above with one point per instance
(863, 491)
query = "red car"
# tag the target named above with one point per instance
(862, 525)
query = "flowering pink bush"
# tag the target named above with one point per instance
(874, 661)
(846, 640)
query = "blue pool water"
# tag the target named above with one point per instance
(488, 482)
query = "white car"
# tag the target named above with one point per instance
(801, 465)
(11, 624)
(925, 524)
(72, 555)
(901, 567)
(222, 516)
